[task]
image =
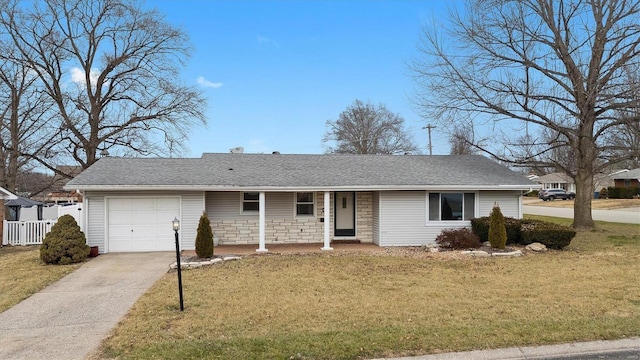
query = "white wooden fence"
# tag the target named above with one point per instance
(25, 232)
(32, 232)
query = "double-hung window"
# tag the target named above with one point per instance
(250, 202)
(304, 204)
(451, 206)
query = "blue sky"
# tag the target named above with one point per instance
(275, 71)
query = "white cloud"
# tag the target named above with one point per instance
(268, 41)
(77, 76)
(204, 82)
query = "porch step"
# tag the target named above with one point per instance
(346, 241)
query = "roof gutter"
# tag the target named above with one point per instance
(297, 188)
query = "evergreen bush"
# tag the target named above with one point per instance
(458, 239)
(480, 227)
(497, 229)
(65, 243)
(622, 192)
(204, 238)
(604, 193)
(553, 236)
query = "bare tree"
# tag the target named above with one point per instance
(529, 65)
(24, 125)
(111, 69)
(368, 129)
(462, 140)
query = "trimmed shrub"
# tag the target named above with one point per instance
(622, 192)
(497, 229)
(480, 227)
(532, 193)
(552, 235)
(604, 193)
(204, 238)
(458, 239)
(65, 243)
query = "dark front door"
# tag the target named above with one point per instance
(345, 214)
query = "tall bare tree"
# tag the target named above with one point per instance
(24, 115)
(111, 68)
(368, 129)
(516, 65)
(462, 140)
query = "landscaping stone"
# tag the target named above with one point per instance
(228, 258)
(537, 247)
(476, 253)
(511, 253)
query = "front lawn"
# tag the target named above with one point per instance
(350, 306)
(22, 274)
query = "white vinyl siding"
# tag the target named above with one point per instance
(402, 216)
(402, 219)
(509, 202)
(192, 209)
(95, 221)
(223, 205)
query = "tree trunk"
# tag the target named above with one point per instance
(582, 219)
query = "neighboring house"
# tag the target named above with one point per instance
(4, 195)
(629, 178)
(276, 199)
(556, 181)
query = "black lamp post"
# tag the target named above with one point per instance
(176, 227)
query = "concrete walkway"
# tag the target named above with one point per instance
(69, 319)
(626, 215)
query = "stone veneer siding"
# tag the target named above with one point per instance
(288, 230)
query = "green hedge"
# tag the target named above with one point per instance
(480, 227)
(527, 231)
(552, 235)
(622, 192)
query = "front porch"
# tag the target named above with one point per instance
(264, 219)
(249, 249)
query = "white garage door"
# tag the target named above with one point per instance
(142, 224)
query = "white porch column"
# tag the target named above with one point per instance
(261, 217)
(327, 221)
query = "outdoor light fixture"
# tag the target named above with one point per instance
(176, 227)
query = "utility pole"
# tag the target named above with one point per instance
(429, 127)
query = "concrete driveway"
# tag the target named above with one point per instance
(68, 319)
(626, 215)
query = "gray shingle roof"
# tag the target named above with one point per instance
(309, 171)
(631, 174)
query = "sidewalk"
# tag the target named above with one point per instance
(540, 352)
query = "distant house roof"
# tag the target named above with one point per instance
(22, 202)
(631, 174)
(6, 194)
(278, 171)
(560, 178)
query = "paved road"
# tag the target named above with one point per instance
(606, 355)
(69, 319)
(623, 349)
(627, 215)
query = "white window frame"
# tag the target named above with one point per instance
(476, 207)
(243, 201)
(295, 204)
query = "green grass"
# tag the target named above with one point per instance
(350, 306)
(22, 274)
